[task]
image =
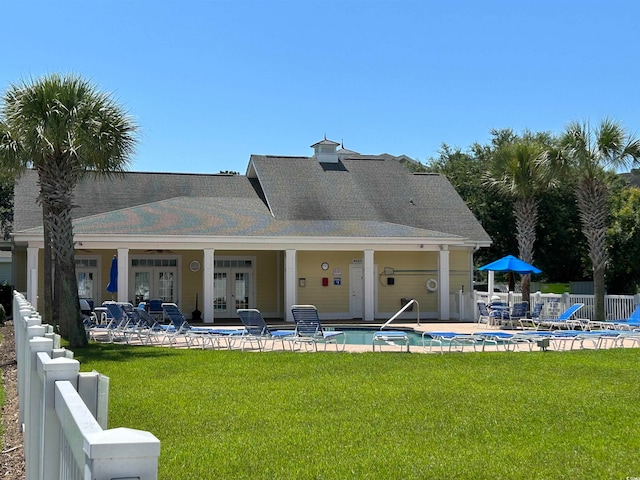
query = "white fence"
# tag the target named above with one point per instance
(63, 413)
(617, 307)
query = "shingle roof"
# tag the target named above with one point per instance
(206, 216)
(99, 195)
(361, 196)
(367, 188)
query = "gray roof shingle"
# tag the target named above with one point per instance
(361, 196)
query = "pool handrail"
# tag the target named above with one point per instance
(404, 307)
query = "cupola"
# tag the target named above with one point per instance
(325, 151)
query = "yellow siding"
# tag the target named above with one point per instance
(460, 271)
(332, 298)
(406, 284)
(269, 281)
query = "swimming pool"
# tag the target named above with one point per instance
(364, 336)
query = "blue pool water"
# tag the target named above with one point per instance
(364, 336)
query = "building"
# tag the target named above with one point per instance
(356, 235)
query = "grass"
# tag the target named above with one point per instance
(230, 414)
(2, 400)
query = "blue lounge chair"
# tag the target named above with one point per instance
(309, 330)
(566, 320)
(507, 340)
(632, 322)
(453, 340)
(257, 330)
(393, 338)
(201, 336)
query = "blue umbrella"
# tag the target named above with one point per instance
(510, 264)
(112, 286)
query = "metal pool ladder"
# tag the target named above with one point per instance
(394, 337)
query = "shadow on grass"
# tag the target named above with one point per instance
(112, 352)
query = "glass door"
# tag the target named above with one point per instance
(220, 294)
(87, 277)
(152, 279)
(232, 290)
(86, 283)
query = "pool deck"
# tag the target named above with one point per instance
(557, 344)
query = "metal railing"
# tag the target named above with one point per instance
(411, 302)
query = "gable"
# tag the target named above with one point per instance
(374, 188)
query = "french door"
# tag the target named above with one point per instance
(154, 279)
(232, 287)
(87, 276)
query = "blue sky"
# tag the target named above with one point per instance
(212, 82)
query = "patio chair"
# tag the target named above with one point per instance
(257, 330)
(534, 318)
(154, 307)
(309, 330)
(499, 312)
(565, 320)
(484, 316)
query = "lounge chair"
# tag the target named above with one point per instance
(309, 330)
(257, 330)
(632, 322)
(453, 340)
(180, 328)
(508, 341)
(393, 338)
(120, 326)
(150, 329)
(565, 320)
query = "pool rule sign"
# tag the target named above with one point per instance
(337, 276)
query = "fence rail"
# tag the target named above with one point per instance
(63, 412)
(617, 307)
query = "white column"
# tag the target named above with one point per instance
(290, 283)
(207, 285)
(123, 274)
(369, 286)
(443, 287)
(490, 283)
(32, 276)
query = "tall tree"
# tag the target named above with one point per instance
(623, 272)
(521, 170)
(590, 152)
(63, 127)
(464, 169)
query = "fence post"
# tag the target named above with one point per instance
(121, 453)
(21, 326)
(93, 388)
(51, 371)
(34, 390)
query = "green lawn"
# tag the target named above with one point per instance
(231, 414)
(2, 400)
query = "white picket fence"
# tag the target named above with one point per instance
(617, 307)
(63, 413)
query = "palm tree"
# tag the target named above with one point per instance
(520, 170)
(64, 128)
(591, 152)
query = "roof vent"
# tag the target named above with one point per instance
(325, 151)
